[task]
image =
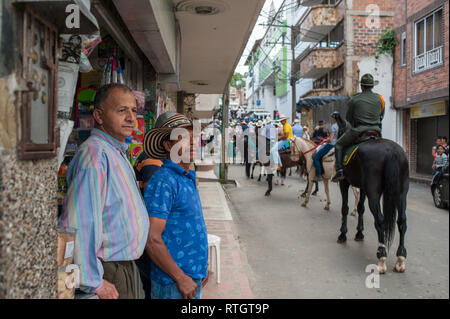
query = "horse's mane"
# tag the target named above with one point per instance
(309, 142)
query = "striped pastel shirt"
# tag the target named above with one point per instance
(105, 205)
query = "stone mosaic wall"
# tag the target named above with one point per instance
(321, 16)
(28, 213)
(322, 58)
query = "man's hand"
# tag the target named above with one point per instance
(187, 287)
(205, 280)
(107, 291)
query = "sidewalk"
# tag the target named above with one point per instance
(234, 283)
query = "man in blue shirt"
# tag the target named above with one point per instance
(297, 129)
(177, 243)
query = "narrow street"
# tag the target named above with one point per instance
(292, 251)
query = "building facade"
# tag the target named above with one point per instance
(341, 34)
(421, 71)
(269, 68)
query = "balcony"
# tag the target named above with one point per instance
(428, 60)
(317, 62)
(320, 21)
(311, 3)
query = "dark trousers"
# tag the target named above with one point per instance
(121, 275)
(144, 264)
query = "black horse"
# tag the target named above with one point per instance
(379, 168)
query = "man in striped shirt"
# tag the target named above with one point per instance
(104, 201)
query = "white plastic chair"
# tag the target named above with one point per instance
(214, 242)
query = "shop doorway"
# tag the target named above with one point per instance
(427, 130)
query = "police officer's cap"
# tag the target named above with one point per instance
(367, 80)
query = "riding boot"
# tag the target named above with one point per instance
(339, 154)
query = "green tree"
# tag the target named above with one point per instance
(238, 77)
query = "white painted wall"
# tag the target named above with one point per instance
(382, 70)
(207, 102)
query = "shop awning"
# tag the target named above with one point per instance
(317, 101)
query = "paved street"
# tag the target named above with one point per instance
(292, 251)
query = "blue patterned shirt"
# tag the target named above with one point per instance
(172, 195)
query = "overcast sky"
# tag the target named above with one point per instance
(258, 32)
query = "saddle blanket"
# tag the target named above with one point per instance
(349, 153)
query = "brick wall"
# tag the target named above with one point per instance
(422, 85)
(365, 35)
(383, 5)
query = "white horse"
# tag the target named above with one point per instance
(308, 149)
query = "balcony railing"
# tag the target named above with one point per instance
(428, 60)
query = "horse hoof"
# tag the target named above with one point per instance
(303, 195)
(400, 266)
(341, 239)
(314, 194)
(327, 208)
(359, 237)
(353, 213)
(267, 193)
(382, 268)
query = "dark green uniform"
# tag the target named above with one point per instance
(365, 113)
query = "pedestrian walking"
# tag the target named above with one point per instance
(177, 243)
(104, 203)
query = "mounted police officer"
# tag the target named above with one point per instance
(365, 113)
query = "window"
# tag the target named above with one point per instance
(321, 83)
(337, 35)
(38, 98)
(403, 49)
(429, 41)
(337, 77)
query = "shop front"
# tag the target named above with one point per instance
(428, 120)
(49, 75)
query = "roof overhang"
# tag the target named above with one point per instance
(212, 45)
(318, 101)
(200, 50)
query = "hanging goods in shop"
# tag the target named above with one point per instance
(113, 72)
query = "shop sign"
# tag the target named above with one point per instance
(428, 110)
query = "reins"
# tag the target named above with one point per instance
(312, 149)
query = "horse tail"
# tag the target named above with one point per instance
(390, 196)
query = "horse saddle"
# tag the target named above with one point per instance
(329, 157)
(286, 151)
(368, 135)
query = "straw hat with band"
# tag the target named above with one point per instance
(283, 117)
(154, 138)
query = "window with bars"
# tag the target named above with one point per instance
(38, 95)
(429, 41)
(321, 83)
(403, 49)
(337, 77)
